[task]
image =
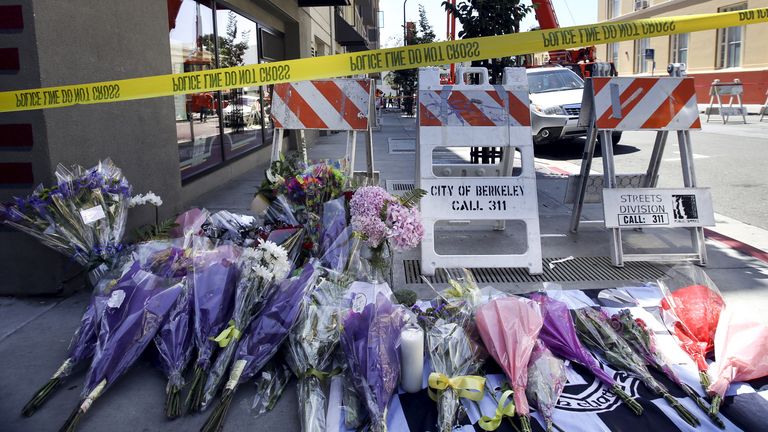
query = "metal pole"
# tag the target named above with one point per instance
(405, 29)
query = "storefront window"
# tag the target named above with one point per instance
(197, 122)
(214, 127)
(241, 111)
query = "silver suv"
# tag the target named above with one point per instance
(556, 94)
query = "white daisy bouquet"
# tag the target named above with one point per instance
(261, 269)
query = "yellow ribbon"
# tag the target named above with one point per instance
(321, 375)
(227, 335)
(466, 386)
(504, 409)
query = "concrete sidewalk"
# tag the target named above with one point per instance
(34, 333)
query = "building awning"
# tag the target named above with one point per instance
(346, 34)
(314, 3)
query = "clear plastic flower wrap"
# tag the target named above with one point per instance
(135, 310)
(270, 384)
(370, 338)
(83, 216)
(214, 276)
(595, 330)
(263, 338)
(546, 381)
(455, 357)
(643, 341)
(691, 310)
(260, 270)
(310, 351)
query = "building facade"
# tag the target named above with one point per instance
(724, 54)
(178, 147)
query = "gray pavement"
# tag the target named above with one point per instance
(35, 332)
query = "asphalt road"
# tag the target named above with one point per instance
(731, 159)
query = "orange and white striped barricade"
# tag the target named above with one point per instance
(451, 119)
(332, 105)
(731, 89)
(764, 108)
(664, 105)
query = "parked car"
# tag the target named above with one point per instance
(556, 94)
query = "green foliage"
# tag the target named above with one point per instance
(406, 297)
(406, 79)
(230, 52)
(157, 231)
(490, 18)
(412, 197)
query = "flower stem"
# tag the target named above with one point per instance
(681, 410)
(703, 406)
(704, 380)
(195, 395)
(42, 394)
(74, 419)
(525, 423)
(631, 403)
(216, 420)
(172, 402)
(715, 407)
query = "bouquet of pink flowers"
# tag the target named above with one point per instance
(382, 219)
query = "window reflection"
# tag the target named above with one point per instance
(212, 127)
(196, 114)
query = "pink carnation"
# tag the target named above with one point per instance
(406, 230)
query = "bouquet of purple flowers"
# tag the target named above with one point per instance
(370, 339)
(214, 276)
(263, 338)
(174, 346)
(133, 313)
(83, 216)
(261, 268)
(83, 343)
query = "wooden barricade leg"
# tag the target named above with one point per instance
(741, 107)
(586, 167)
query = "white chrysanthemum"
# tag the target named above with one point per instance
(251, 256)
(262, 272)
(273, 252)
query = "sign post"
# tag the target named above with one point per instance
(471, 115)
(645, 104)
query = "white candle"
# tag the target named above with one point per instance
(411, 358)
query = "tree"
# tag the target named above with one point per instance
(406, 79)
(490, 18)
(230, 52)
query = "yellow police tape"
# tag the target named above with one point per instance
(364, 62)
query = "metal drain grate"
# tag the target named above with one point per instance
(402, 145)
(398, 187)
(575, 270)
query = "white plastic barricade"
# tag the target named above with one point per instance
(731, 89)
(657, 104)
(467, 115)
(333, 105)
(764, 108)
